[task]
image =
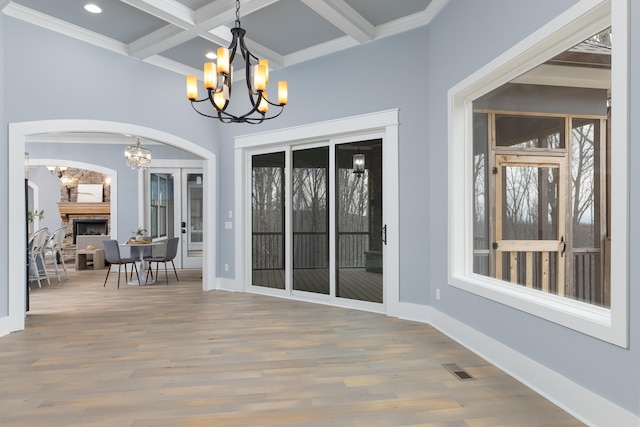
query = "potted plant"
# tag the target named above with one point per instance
(139, 234)
(32, 215)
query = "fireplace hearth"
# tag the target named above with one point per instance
(90, 227)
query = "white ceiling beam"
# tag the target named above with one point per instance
(222, 37)
(4, 3)
(343, 17)
(222, 12)
(213, 15)
(168, 10)
(160, 40)
(216, 13)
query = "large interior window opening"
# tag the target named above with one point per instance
(540, 187)
(538, 198)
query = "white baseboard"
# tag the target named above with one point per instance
(4, 326)
(580, 402)
(225, 284)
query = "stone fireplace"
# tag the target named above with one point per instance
(85, 218)
(90, 227)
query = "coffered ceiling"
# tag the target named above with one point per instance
(176, 34)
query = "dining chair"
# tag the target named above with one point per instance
(54, 247)
(112, 254)
(36, 245)
(169, 255)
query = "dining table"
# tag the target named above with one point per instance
(142, 265)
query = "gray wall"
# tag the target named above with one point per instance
(4, 154)
(85, 82)
(464, 37)
(70, 79)
(349, 83)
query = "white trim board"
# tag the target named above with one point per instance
(18, 134)
(383, 124)
(574, 25)
(580, 402)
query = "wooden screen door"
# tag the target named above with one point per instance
(529, 227)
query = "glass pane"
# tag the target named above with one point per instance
(585, 165)
(267, 199)
(530, 197)
(528, 116)
(481, 194)
(586, 211)
(310, 220)
(161, 205)
(529, 131)
(537, 270)
(194, 213)
(359, 225)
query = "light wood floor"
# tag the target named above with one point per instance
(175, 356)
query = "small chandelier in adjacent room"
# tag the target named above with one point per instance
(61, 170)
(218, 81)
(358, 164)
(136, 156)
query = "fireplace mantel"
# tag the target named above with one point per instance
(68, 209)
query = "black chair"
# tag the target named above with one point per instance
(170, 254)
(112, 254)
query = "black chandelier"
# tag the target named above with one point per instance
(218, 81)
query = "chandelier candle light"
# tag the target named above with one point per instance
(136, 156)
(218, 81)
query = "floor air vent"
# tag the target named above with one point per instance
(457, 371)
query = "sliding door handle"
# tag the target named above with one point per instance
(384, 234)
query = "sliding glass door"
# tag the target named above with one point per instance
(316, 224)
(267, 220)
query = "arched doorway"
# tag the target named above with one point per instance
(18, 135)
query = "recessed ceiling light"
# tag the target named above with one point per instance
(93, 8)
(211, 55)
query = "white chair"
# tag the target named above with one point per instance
(37, 270)
(54, 247)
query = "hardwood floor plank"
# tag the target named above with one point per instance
(177, 356)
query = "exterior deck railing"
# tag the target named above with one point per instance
(310, 250)
(587, 284)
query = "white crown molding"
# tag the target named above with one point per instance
(340, 14)
(176, 67)
(319, 50)
(411, 22)
(45, 21)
